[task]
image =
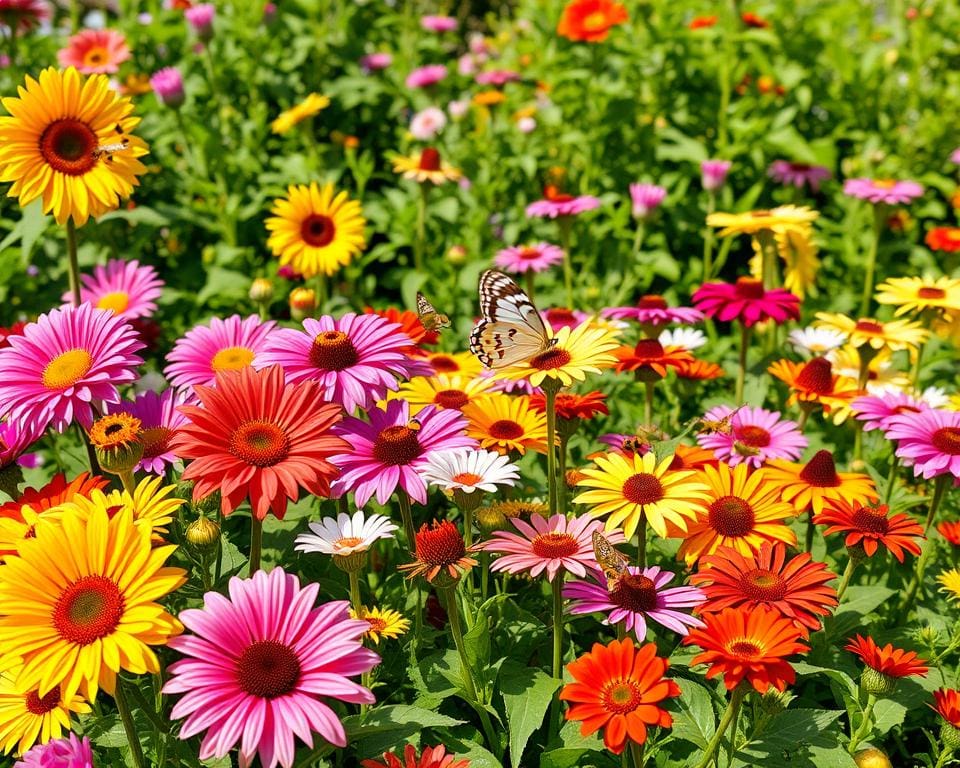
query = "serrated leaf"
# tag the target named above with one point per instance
(527, 693)
(400, 717)
(887, 714)
(693, 716)
(786, 738)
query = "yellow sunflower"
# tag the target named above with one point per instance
(893, 335)
(79, 603)
(315, 230)
(428, 166)
(950, 583)
(577, 352)
(629, 488)
(150, 503)
(915, 294)
(67, 141)
(384, 622)
(778, 219)
(808, 485)
(310, 106)
(443, 390)
(506, 423)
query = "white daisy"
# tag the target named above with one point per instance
(687, 338)
(817, 341)
(935, 397)
(469, 470)
(345, 535)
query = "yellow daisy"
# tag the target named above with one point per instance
(310, 106)
(315, 230)
(799, 253)
(577, 352)
(807, 486)
(948, 327)
(950, 583)
(67, 141)
(627, 489)
(384, 622)
(915, 294)
(443, 390)
(893, 335)
(506, 423)
(151, 503)
(882, 374)
(777, 219)
(464, 363)
(79, 603)
(428, 166)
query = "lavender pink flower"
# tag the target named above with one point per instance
(887, 191)
(798, 175)
(746, 301)
(877, 411)
(654, 310)
(497, 77)
(225, 344)
(756, 436)
(562, 205)
(69, 752)
(713, 174)
(645, 199)
(424, 77)
(167, 83)
(928, 441)
(374, 62)
(159, 420)
(535, 257)
(438, 23)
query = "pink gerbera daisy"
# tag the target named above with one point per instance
(259, 665)
(159, 420)
(224, 345)
(438, 23)
(23, 14)
(64, 363)
(653, 310)
(391, 450)
(798, 175)
(95, 51)
(124, 287)
(356, 359)
(497, 77)
(554, 545)
(746, 301)
(15, 438)
(877, 411)
(424, 77)
(69, 752)
(929, 441)
(638, 595)
(886, 191)
(561, 205)
(755, 436)
(535, 257)
(645, 199)
(561, 317)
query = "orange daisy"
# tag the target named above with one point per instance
(809, 485)
(815, 382)
(441, 554)
(649, 359)
(868, 526)
(888, 661)
(949, 530)
(590, 20)
(699, 370)
(505, 423)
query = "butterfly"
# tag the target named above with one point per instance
(722, 426)
(414, 425)
(611, 560)
(107, 150)
(510, 330)
(431, 319)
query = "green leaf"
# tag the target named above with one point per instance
(476, 642)
(786, 738)
(888, 714)
(402, 718)
(142, 214)
(32, 226)
(527, 693)
(693, 716)
(225, 285)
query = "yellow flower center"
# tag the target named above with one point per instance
(595, 21)
(66, 369)
(118, 301)
(346, 542)
(232, 359)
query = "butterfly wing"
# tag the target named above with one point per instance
(611, 560)
(511, 330)
(431, 319)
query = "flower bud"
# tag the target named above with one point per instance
(872, 758)
(116, 440)
(353, 563)
(456, 255)
(203, 535)
(950, 736)
(490, 519)
(167, 84)
(10, 478)
(261, 291)
(303, 303)
(877, 683)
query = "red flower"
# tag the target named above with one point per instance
(571, 406)
(889, 661)
(947, 705)
(409, 323)
(870, 525)
(702, 22)
(751, 19)
(650, 359)
(431, 757)
(943, 239)
(590, 20)
(14, 330)
(440, 551)
(950, 531)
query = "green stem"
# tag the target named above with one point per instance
(528, 283)
(742, 370)
(729, 714)
(637, 245)
(256, 544)
(219, 565)
(636, 754)
(857, 444)
(865, 724)
(871, 266)
(73, 265)
(642, 545)
(811, 528)
(355, 590)
(891, 477)
(407, 514)
(562, 475)
(709, 239)
(127, 480)
(648, 403)
(420, 244)
(557, 586)
(484, 576)
(916, 368)
(845, 579)
(550, 392)
(126, 717)
(939, 489)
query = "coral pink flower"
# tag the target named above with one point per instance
(798, 175)
(438, 23)
(877, 411)
(159, 420)
(535, 257)
(928, 441)
(885, 191)
(23, 14)
(224, 345)
(746, 301)
(64, 363)
(554, 545)
(561, 205)
(95, 51)
(259, 665)
(653, 310)
(69, 752)
(756, 435)
(124, 287)
(424, 77)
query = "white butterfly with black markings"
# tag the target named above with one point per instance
(510, 330)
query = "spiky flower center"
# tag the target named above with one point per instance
(69, 146)
(451, 398)
(652, 301)
(441, 545)
(763, 585)
(744, 649)
(753, 436)
(816, 376)
(551, 359)
(929, 292)
(430, 160)
(554, 545)
(88, 610)
(317, 230)
(821, 471)
(117, 301)
(444, 364)
(347, 542)
(333, 351)
(66, 369)
(872, 519)
(621, 696)
(155, 441)
(232, 359)
(529, 253)
(467, 478)
(947, 440)
(40, 705)
(376, 624)
(505, 429)
(396, 446)
(260, 443)
(268, 669)
(748, 288)
(731, 516)
(869, 327)
(635, 592)
(642, 488)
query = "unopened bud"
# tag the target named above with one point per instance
(303, 303)
(490, 519)
(456, 255)
(116, 440)
(872, 758)
(355, 562)
(950, 737)
(261, 291)
(877, 683)
(203, 534)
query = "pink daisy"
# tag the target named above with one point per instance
(69, 752)
(955, 156)
(883, 190)
(497, 77)
(645, 199)
(877, 411)
(167, 83)
(438, 23)
(391, 450)
(224, 345)
(124, 287)
(373, 62)
(654, 310)
(562, 205)
(554, 545)
(259, 665)
(637, 596)
(746, 301)
(70, 360)
(798, 175)
(928, 441)
(424, 77)
(95, 51)
(159, 420)
(356, 359)
(561, 317)
(509, 386)
(23, 14)
(535, 257)
(15, 438)
(713, 174)
(756, 435)
(201, 17)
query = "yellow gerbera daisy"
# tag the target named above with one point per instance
(627, 489)
(799, 253)
(315, 230)
(950, 583)
(464, 363)
(577, 352)
(776, 220)
(882, 374)
(310, 106)
(506, 423)
(948, 327)
(443, 390)
(427, 167)
(893, 335)
(150, 503)
(915, 294)
(79, 603)
(384, 622)
(744, 510)
(67, 141)
(29, 718)
(808, 485)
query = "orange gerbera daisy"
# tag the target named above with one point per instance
(441, 554)
(795, 588)
(699, 370)
(868, 526)
(692, 457)
(891, 663)
(815, 382)
(949, 530)
(743, 511)
(569, 405)
(749, 645)
(619, 688)
(809, 485)
(590, 20)
(650, 359)
(947, 705)
(505, 423)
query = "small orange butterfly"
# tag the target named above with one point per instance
(431, 319)
(722, 426)
(610, 559)
(414, 425)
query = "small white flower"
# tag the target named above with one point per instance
(817, 341)
(427, 123)
(935, 397)
(469, 470)
(345, 535)
(688, 338)
(458, 108)
(526, 124)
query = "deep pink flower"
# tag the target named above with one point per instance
(955, 156)
(645, 199)
(259, 665)
(713, 174)
(224, 345)
(535, 257)
(376, 61)
(201, 17)
(69, 752)
(746, 301)
(497, 77)
(22, 14)
(756, 435)
(876, 411)
(159, 420)
(654, 310)
(928, 441)
(124, 287)
(562, 205)
(95, 51)
(389, 451)
(886, 191)
(15, 438)
(167, 83)
(561, 317)
(424, 77)
(438, 23)
(798, 175)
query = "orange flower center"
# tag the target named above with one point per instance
(869, 327)
(114, 430)
(440, 546)
(947, 440)
(232, 359)
(554, 545)
(117, 301)
(444, 364)
(753, 436)
(635, 592)
(260, 443)
(642, 488)
(66, 369)
(333, 351)
(652, 301)
(429, 160)
(816, 376)
(376, 624)
(884, 183)
(396, 446)
(745, 649)
(763, 585)
(551, 359)
(821, 471)
(505, 429)
(748, 288)
(155, 441)
(871, 519)
(467, 478)
(95, 57)
(38, 705)
(68, 146)
(451, 398)
(528, 253)
(268, 669)
(317, 230)
(88, 610)
(731, 516)
(927, 292)
(621, 696)
(346, 542)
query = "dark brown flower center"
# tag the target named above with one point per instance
(872, 519)
(753, 436)
(429, 160)
(505, 429)
(396, 446)
(642, 488)
(763, 585)
(260, 443)
(652, 301)
(635, 592)
(318, 230)
(551, 359)
(69, 146)
(554, 545)
(816, 376)
(947, 440)
(155, 441)
(40, 705)
(748, 288)
(731, 516)
(268, 669)
(451, 398)
(333, 351)
(821, 471)
(88, 610)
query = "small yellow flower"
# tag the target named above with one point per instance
(894, 335)
(776, 219)
(915, 294)
(310, 106)
(950, 583)
(427, 167)
(384, 622)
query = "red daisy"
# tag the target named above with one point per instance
(431, 757)
(950, 531)
(572, 406)
(650, 359)
(409, 322)
(869, 525)
(947, 705)
(888, 661)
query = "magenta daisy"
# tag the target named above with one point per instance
(928, 441)
(391, 450)
(561, 317)
(223, 345)
(356, 359)
(886, 191)
(15, 438)
(63, 364)
(69, 752)
(159, 419)
(638, 595)
(554, 545)
(124, 287)
(535, 257)
(713, 174)
(497, 77)
(561, 205)
(653, 310)
(259, 665)
(645, 199)
(877, 411)
(798, 175)
(756, 435)
(746, 301)
(424, 77)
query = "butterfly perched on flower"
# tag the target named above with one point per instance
(722, 426)
(431, 319)
(510, 329)
(610, 559)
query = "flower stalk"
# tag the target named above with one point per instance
(729, 715)
(865, 724)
